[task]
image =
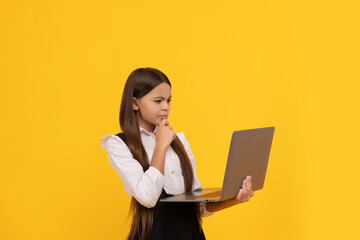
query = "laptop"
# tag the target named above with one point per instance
(248, 155)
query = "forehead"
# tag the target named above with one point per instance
(162, 90)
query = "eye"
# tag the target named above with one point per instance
(159, 101)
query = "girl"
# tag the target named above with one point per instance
(153, 162)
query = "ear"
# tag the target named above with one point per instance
(135, 104)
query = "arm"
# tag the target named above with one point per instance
(164, 136)
(208, 208)
(145, 187)
(244, 195)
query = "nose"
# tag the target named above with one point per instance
(165, 106)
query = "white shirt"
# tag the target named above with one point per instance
(146, 187)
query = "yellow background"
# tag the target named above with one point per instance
(233, 65)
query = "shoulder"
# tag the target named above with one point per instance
(181, 135)
(182, 138)
(113, 143)
(186, 145)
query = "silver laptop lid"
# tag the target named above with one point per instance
(248, 155)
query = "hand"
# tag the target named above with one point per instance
(245, 192)
(244, 195)
(164, 134)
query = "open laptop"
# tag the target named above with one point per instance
(248, 155)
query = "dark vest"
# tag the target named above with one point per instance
(173, 220)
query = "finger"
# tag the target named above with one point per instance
(240, 193)
(163, 123)
(244, 186)
(248, 196)
(249, 184)
(248, 188)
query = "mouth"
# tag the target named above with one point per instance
(163, 116)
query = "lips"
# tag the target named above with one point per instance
(163, 116)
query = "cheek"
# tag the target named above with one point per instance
(152, 110)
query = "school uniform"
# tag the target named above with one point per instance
(171, 220)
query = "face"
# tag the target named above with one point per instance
(153, 107)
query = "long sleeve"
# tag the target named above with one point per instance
(145, 187)
(196, 183)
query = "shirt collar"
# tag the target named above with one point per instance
(147, 132)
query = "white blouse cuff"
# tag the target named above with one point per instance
(204, 212)
(152, 188)
(156, 176)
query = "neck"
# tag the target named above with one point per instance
(147, 126)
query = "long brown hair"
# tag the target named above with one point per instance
(140, 82)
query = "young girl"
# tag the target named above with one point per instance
(153, 162)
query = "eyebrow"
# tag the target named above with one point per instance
(161, 97)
